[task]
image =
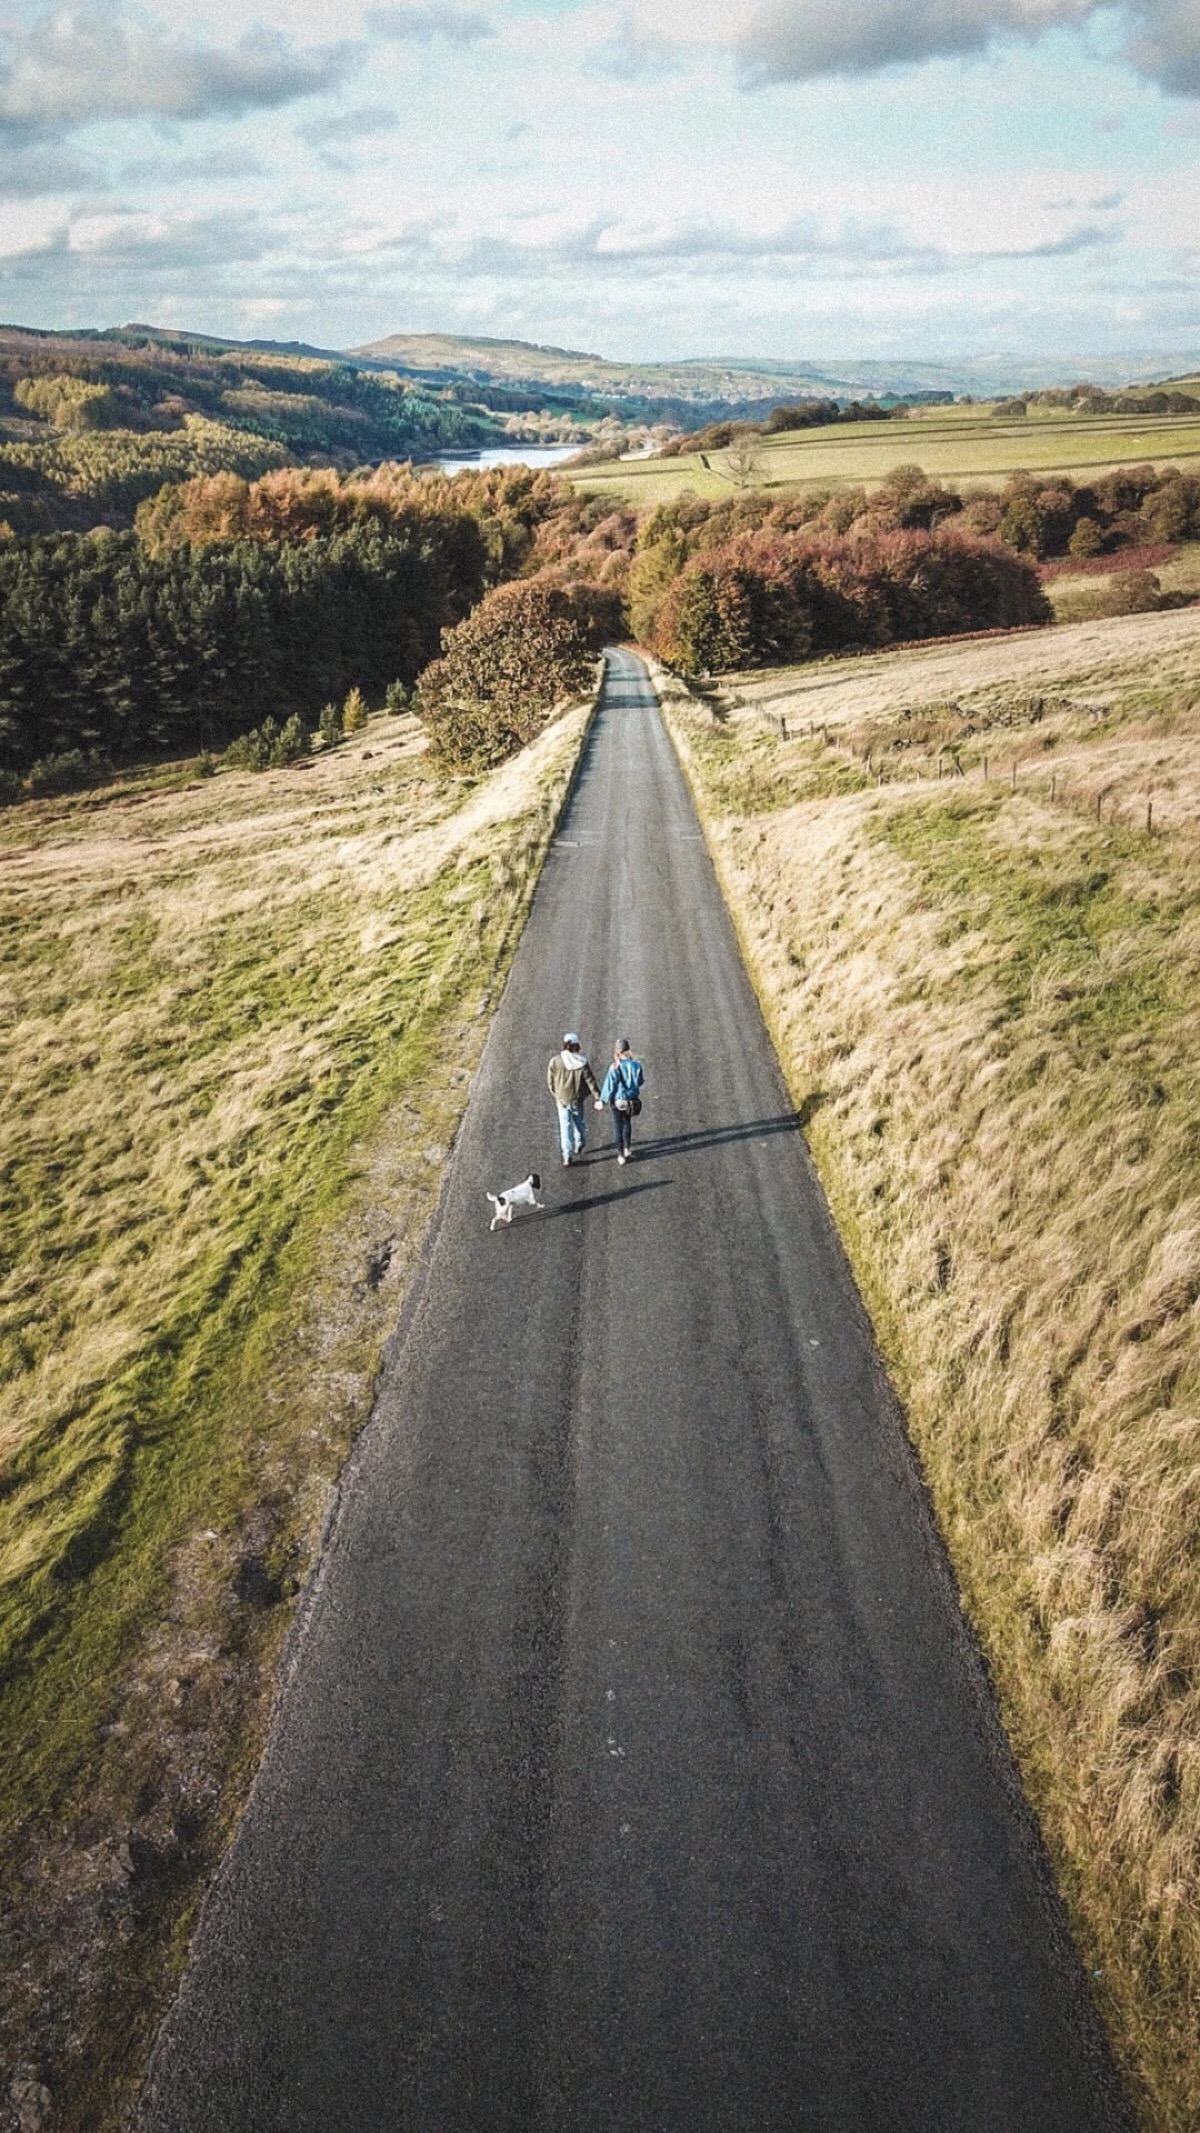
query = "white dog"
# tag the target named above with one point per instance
(524, 1195)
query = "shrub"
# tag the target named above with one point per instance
(909, 500)
(354, 712)
(1086, 541)
(396, 697)
(1172, 513)
(292, 743)
(68, 403)
(252, 751)
(329, 725)
(270, 746)
(652, 573)
(1134, 592)
(525, 647)
(72, 771)
(736, 607)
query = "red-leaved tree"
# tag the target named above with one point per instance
(768, 597)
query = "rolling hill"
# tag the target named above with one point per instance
(695, 390)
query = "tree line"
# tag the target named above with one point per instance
(238, 600)
(233, 601)
(121, 654)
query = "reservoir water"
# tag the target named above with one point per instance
(506, 455)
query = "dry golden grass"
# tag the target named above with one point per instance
(193, 983)
(240, 1019)
(992, 1002)
(1099, 663)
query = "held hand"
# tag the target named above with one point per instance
(599, 1104)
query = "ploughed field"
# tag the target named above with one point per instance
(967, 884)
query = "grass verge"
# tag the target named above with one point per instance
(242, 1017)
(991, 999)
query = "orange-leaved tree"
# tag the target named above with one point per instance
(525, 648)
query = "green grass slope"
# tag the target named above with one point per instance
(957, 445)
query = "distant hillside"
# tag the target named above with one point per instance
(695, 390)
(681, 394)
(93, 421)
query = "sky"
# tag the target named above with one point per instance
(802, 180)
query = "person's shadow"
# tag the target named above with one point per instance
(605, 1199)
(755, 1129)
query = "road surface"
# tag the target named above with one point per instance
(636, 1774)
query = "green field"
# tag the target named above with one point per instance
(960, 444)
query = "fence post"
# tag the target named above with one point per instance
(985, 769)
(1149, 818)
(1013, 782)
(1053, 784)
(1099, 797)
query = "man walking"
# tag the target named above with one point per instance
(568, 1078)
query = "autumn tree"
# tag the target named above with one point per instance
(525, 648)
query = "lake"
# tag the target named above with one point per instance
(508, 455)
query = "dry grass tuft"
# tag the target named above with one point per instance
(997, 998)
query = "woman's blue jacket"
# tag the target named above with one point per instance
(623, 1078)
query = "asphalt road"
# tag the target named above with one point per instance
(636, 1774)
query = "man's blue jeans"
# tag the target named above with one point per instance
(571, 1129)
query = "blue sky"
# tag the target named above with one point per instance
(798, 179)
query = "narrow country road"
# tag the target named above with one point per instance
(636, 1775)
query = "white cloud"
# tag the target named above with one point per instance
(795, 40)
(347, 127)
(29, 228)
(804, 40)
(1165, 44)
(31, 168)
(809, 247)
(96, 61)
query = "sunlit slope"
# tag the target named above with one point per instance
(961, 444)
(967, 880)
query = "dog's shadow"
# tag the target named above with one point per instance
(606, 1199)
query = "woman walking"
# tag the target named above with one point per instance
(622, 1089)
